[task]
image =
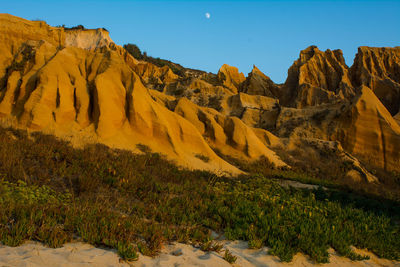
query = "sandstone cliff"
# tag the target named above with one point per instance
(379, 69)
(79, 85)
(368, 130)
(315, 78)
(230, 77)
(257, 83)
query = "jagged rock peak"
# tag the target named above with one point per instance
(317, 77)
(379, 69)
(313, 50)
(256, 70)
(230, 77)
(308, 53)
(257, 83)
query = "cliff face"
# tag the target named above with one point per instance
(368, 130)
(87, 39)
(353, 106)
(79, 85)
(230, 77)
(379, 69)
(315, 78)
(257, 83)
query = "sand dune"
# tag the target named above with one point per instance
(33, 254)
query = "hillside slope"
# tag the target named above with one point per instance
(79, 85)
(82, 87)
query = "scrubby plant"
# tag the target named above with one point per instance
(229, 257)
(132, 203)
(211, 246)
(134, 50)
(77, 27)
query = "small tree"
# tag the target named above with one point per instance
(134, 50)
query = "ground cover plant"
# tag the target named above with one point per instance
(51, 192)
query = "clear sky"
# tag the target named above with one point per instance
(269, 34)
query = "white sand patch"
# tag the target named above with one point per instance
(33, 254)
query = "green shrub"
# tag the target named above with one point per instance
(134, 50)
(229, 257)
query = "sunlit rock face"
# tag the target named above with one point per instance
(379, 69)
(80, 86)
(315, 78)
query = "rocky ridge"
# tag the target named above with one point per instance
(80, 86)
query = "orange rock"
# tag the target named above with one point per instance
(379, 69)
(368, 130)
(230, 77)
(316, 77)
(79, 85)
(257, 83)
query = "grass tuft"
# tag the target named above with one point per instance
(229, 257)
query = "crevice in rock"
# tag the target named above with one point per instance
(58, 98)
(209, 131)
(77, 105)
(383, 141)
(93, 109)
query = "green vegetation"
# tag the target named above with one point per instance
(184, 73)
(325, 169)
(77, 27)
(135, 51)
(51, 192)
(229, 257)
(211, 246)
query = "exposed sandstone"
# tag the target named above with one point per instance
(254, 110)
(89, 90)
(368, 130)
(315, 78)
(229, 135)
(87, 39)
(153, 75)
(92, 95)
(230, 77)
(397, 118)
(257, 83)
(81, 86)
(379, 69)
(363, 126)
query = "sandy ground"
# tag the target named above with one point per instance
(33, 254)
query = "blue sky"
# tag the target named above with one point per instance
(269, 34)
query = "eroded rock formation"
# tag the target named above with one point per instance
(80, 86)
(315, 78)
(379, 69)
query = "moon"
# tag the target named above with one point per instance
(208, 15)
